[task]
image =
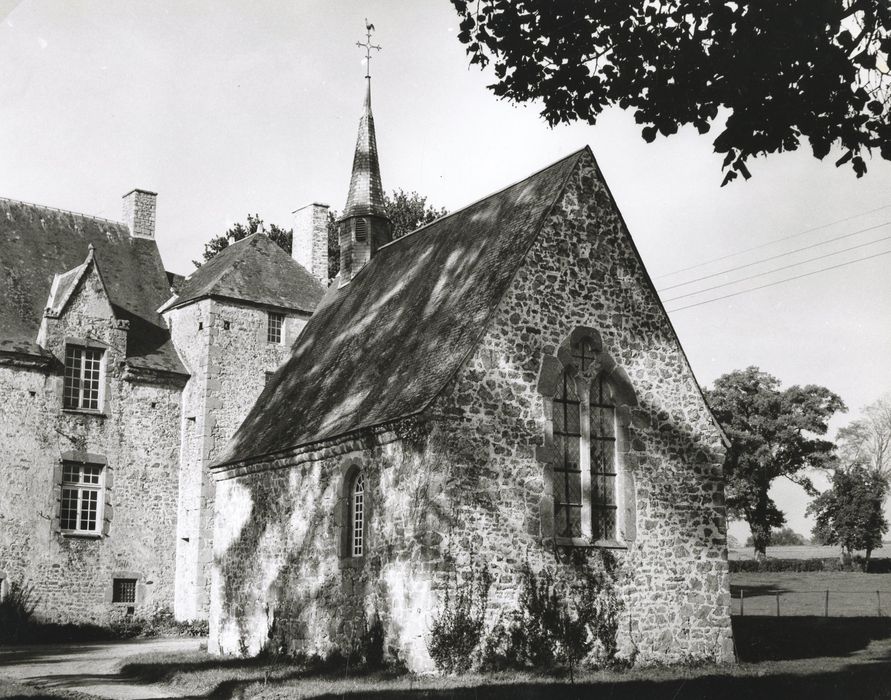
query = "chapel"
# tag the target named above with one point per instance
(501, 386)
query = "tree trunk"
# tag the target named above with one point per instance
(866, 561)
(760, 539)
(845, 558)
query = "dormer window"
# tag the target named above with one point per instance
(82, 386)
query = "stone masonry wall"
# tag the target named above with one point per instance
(136, 433)
(282, 577)
(465, 485)
(228, 358)
(583, 271)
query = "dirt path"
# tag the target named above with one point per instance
(89, 668)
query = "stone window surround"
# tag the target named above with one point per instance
(550, 374)
(349, 471)
(4, 585)
(140, 588)
(103, 374)
(105, 510)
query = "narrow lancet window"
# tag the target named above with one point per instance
(357, 541)
(602, 421)
(567, 468)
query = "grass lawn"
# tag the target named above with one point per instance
(851, 594)
(10, 690)
(791, 657)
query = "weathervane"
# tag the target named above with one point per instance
(368, 46)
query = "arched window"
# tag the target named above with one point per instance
(587, 438)
(567, 468)
(602, 422)
(357, 516)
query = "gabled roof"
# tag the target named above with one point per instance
(254, 270)
(386, 345)
(37, 243)
(65, 284)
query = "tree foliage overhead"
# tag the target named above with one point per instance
(773, 433)
(238, 231)
(850, 513)
(866, 442)
(780, 72)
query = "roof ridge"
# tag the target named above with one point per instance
(483, 199)
(61, 211)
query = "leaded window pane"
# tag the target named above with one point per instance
(358, 516)
(602, 421)
(567, 487)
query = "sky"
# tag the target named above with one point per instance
(227, 108)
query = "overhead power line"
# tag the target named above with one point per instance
(776, 269)
(775, 257)
(782, 281)
(770, 243)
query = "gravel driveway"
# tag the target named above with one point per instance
(88, 668)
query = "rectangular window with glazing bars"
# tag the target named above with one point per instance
(274, 327)
(82, 498)
(82, 385)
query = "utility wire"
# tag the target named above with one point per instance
(776, 269)
(774, 257)
(770, 243)
(788, 279)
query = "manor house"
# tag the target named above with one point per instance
(121, 383)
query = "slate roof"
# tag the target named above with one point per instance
(366, 195)
(38, 242)
(255, 270)
(391, 339)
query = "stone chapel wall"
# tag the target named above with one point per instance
(583, 271)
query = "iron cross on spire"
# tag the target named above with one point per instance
(368, 46)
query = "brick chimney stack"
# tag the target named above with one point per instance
(139, 213)
(309, 246)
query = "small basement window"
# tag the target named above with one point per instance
(123, 590)
(274, 326)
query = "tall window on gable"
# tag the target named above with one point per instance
(82, 386)
(567, 467)
(274, 326)
(357, 516)
(602, 421)
(82, 498)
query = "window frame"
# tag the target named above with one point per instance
(357, 515)
(99, 380)
(115, 589)
(81, 487)
(278, 317)
(582, 360)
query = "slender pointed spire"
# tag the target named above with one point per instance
(366, 195)
(364, 226)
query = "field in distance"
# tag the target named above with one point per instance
(804, 551)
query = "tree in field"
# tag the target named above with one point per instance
(772, 74)
(866, 442)
(239, 231)
(784, 537)
(407, 211)
(850, 513)
(773, 433)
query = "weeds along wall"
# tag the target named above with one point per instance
(472, 479)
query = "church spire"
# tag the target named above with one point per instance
(364, 226)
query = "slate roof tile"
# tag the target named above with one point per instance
(255, 270)
(388, 342)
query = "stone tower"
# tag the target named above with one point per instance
(364, 226)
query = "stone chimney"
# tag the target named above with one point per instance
(309, 246)
(139, 213)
